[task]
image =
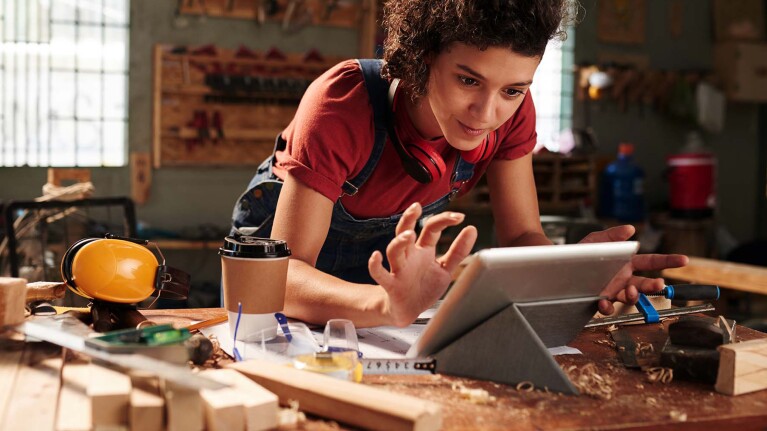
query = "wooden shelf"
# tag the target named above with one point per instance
(229, 134)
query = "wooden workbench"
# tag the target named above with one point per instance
(635, 402)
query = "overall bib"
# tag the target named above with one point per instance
(350, 241)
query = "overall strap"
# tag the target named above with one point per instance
(377, 92)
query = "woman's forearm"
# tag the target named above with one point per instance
(316, 297)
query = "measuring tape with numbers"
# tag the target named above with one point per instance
(398, 366)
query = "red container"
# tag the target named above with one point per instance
(692, 184)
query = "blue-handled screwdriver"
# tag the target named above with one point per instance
(689, 292)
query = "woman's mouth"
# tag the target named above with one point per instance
(471, 131)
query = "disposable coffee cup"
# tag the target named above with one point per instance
(254, 272)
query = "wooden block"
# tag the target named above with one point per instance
(224, 409)
(742, 367)
(183, 408)
(109, 392)
(74, 407)
(10, 362)
(344, 401)
(261, 407)
(147, 407)
(13, 294)
(32, 405)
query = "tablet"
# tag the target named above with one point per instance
(496, 277)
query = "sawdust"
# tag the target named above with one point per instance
(525, 386)
(291, 417)
(608, 343)
(475, 396)
(659, 374)
(590, 382)
(677, 415)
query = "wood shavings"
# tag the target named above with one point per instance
(588, 380)
(475, 396)
(525, 386)
(659, 374)
(644, 349)
(650, 401)
(290, 417)
(677, 415)
(608, 343)
(612, 328)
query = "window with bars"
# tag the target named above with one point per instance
(63, 82)
(552, 91)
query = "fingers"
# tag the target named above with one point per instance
(380, 274)
(434, 226)
(657, 262)
(396, 251)
(606, 307)
(409, 218)
(459, 249)
(617, 233)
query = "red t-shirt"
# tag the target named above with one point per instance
(332, 135)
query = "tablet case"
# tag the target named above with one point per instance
(511, 346)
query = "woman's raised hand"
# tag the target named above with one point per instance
(417, 278)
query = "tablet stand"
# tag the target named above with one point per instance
(511, 346)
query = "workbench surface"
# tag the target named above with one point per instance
(635, 403)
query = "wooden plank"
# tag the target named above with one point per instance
(742, 367)
(35, 394)
(74, 407)
(183, 408)
(109, 393)
(344, 401)
(13, 293)
(156, 105)
(736, 276)
(147, 407)
(260, 407)
(10, 362)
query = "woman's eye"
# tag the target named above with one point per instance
(465, 80)
(512, 92)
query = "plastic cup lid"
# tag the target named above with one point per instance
(253, 247)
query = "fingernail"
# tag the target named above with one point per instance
(456, 216)
(413, 205)
(407, 234)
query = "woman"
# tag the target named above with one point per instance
(377, 146)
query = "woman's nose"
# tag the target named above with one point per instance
(482, 109)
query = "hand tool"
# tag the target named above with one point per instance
(399, 366)
(637, 317)
(66, 331)
(649, 314)
(691, 349)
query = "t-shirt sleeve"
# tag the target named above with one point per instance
(331, 136)
(518, 136)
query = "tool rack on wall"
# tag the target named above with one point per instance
(294, 15)
(218, 107)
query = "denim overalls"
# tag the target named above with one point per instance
(350, 241)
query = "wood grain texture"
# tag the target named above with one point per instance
(259, 406)
(344, 401)
(10, 362)
(74, 411)
(147, 406)
(736, 276)
(742, 367)
(13, 294)
(183, 408)
(32, 405)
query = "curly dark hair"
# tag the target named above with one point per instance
(418, 29)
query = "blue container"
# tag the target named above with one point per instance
(622, 191)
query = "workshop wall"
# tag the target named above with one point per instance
(182, 197)
(656, 135)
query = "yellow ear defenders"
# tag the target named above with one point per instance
(122, 270)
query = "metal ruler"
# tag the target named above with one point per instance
(399, 366)
(66, 331)
(637, 317)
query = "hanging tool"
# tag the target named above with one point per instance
(68, 332)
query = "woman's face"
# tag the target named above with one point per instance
(472, 92)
